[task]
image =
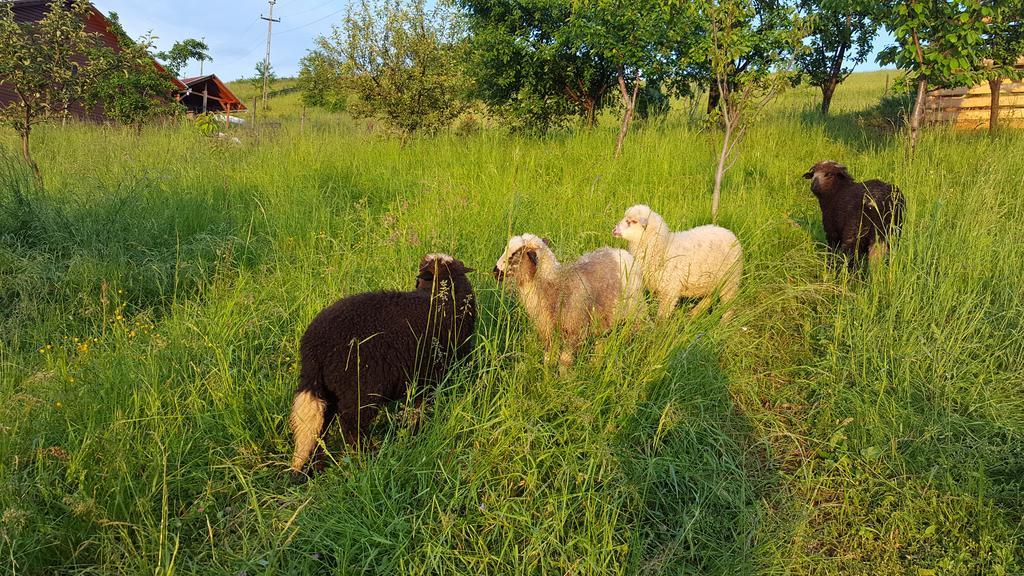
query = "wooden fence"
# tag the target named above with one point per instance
(969, 108)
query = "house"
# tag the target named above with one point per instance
(208, 94)
(26, 11)
(968, 108)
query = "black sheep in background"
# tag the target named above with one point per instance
(365, 350)
(859, 217)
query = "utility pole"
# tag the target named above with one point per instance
(201, 61)
(266, 59)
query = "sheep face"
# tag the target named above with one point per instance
(633, 224)
(436, 269)
(825, 175)
(520, 257)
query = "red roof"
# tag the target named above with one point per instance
(205, 93)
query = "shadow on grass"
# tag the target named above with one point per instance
(154, 244)
(863, 131)
(686, 451)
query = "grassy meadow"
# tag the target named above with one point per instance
(153, 293)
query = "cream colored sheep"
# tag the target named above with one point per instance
(695, 263)
(598, 290)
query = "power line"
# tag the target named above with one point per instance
(320, 19)
(314, 9)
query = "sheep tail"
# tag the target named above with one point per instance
(309, 411)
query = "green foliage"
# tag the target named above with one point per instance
(653, 103)
(206, 124)
(322, 83)
(645, 41)
(742, 39)
(41, 62)
(401, 60)
(183, 52)
(841, 35)
(939, 41)
(529, 65)
(131, 89)
(264, 71)
(1003, 40)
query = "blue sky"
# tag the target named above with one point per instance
(233, 29)
(237, 36)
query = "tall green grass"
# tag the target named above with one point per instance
(153, 292)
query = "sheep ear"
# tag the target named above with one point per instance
(532, 255)
(546, 241)
(809, 174)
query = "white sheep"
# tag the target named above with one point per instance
(565, 302)
(695, 263)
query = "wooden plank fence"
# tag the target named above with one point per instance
(968, 108)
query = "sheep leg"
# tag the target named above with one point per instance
(667, 305)
(355, 422)
(566, 358)
(876, 253)
(308, 422)
(702, 306)
(727, 295)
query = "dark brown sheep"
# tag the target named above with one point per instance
(860, 218)
(365, 350)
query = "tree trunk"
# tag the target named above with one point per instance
(26, 151)
(993, 115)
(630, 102)
(835, 72)
(827, 91)
(716, 194)
(714, 97)
(915, 116)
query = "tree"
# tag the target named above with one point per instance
(746, 79)
(263, 70)
(183, 52)
(643, 40)
(1002, 46)
(129, 85)
(42, 63)
(766, 26)
(841, 37)
(321, 82)
(401, 61)
(937, 42)
(529, 65)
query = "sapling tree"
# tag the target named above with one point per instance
(42, 63)
(183, 52)
(938, 43)
(402, 62)
(767, 30)
(129, 85)
(643, 40)
(841, 35)
(744, 91)
(263, 70)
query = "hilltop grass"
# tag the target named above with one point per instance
(153, 293)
